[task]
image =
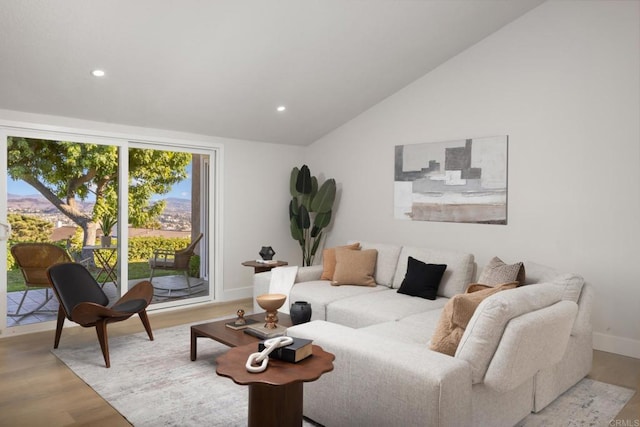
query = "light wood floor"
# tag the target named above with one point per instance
(37, 389)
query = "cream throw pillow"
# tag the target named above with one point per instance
(355, 267)
(329, 260)
(497, 272)
(456, 314)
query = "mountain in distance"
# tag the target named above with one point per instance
(38, 203)
(175, 204)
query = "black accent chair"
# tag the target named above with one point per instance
(84, 302)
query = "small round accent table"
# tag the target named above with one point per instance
(260, 267)
(275, 395)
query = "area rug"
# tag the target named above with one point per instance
(154, 383)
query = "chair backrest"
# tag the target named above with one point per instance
(192, 246)
(182, 256)
(34, 259)
(73, 284)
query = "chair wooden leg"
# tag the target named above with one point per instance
(101, 330)
(59, 325)
(145, 321)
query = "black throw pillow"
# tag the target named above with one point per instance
(422, 280)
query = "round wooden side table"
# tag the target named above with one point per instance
(275, 395)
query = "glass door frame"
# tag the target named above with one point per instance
(209, 219)
(213, 219)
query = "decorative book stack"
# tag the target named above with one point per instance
(237, 327)
(262, 332)
(298, 350)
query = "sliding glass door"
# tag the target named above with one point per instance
(59, 197)
(168, 217)
(127, 211)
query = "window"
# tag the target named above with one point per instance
(69, 189)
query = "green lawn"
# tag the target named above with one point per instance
(137, 270)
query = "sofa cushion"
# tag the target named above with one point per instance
(329, 260)
(422, 279)
(484, 331)
(570, 283)
(531, 342)
(416, 328)
(355, 267)
(457, 313)
(538, 273)
(497, 272)
(367, 309)
(319, 293)
(459, 272)
(386, 263)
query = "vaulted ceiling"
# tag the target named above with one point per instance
(222, 67)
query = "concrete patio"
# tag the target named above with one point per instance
(170, 288)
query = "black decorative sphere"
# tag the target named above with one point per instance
(300, 312)
(267, 253)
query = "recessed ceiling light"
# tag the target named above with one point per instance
(281, 108)
(98, 73)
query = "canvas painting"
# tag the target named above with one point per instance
(455, 181)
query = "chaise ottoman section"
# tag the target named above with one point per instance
(417, 328)
(377, 383)
(378, 307)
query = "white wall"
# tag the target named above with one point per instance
(256, 208)
(563, 83)
(256, 196)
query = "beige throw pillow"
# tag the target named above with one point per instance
(355, 267)
(456, 314)
(497, 272)
(329, 260)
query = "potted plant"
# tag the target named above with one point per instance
(108, 221)
(309, 210)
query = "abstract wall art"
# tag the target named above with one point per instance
(455, 181)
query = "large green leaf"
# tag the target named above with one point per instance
(293, 180)
(296, 232)
(302, 219)
(303, 181)
(294, 209)
(322, 219)
(306, 199)
(323, 200)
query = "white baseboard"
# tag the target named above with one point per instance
(235, 294)
(618, 345)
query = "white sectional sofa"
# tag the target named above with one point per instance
(521, 349)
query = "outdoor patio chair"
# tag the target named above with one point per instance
(83, 301)
(33, 259)
(164, 259)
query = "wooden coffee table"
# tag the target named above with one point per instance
(275, 395)
(219, 332)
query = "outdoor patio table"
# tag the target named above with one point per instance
(103, 256)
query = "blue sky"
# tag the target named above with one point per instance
(181, 190)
